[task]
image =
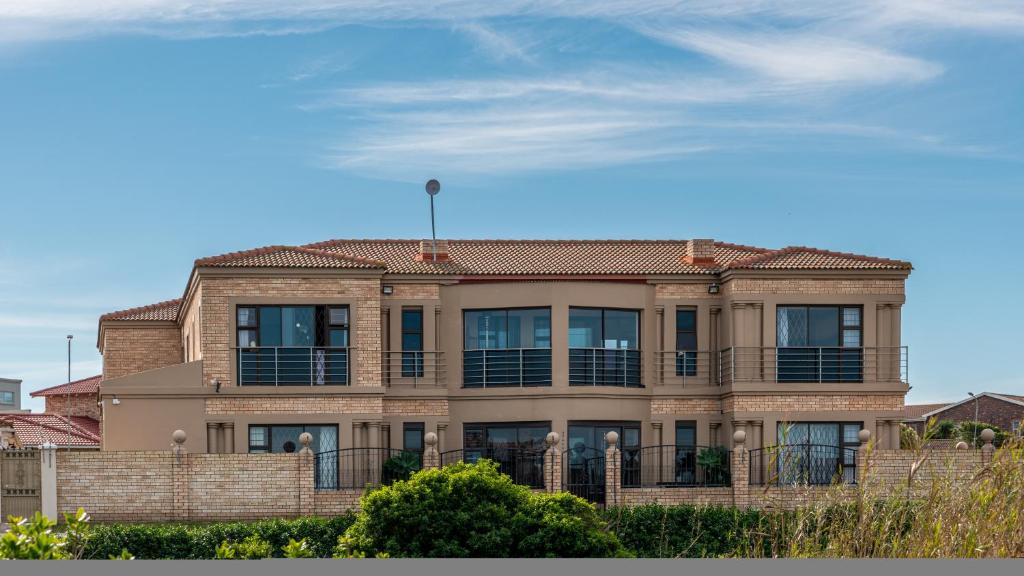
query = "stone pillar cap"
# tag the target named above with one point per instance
(988, 435)
(179, 437)
(864, 435)
(552, 439)
(612, 438)
(430, 439)
(739, 437)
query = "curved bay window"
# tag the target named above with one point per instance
(604, 347)
(293, 345)
(507, 347)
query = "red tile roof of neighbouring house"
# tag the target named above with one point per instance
(524, 258)
(38, 429)
(916, 411)
(90, 385)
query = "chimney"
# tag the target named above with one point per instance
(427, 252)
(700, 252)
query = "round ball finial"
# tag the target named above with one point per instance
(552, 438)
(430, 439)
(988, 435)
(864, 435)
(179, 437)
(611, 438)
(305, 439)
(739, 437)
(961, 445)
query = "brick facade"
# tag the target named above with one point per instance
(681, 291)
(222, 406)
(80, 405)
(686, 406)
(812, 286)
(415, 292)
(812, 402)
(989, 410)
(418, 407)
(135, 348)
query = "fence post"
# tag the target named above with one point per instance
(552, 464)
(740, 470)
(862, 455)
(307, 481)
(431, 457)
(612, 470)
(987, 435)
(48, 480)
(179, 475)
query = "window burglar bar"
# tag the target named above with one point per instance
(604, 367)
(494, 367)
(293, 366)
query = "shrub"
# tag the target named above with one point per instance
(970, 432)
(909, 438)
(252, 548)
(655, 531)
(471, 510)
(34, 538)
(200, 541)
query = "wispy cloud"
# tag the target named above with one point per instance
(498, 45)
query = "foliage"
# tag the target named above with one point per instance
(252, 548)
(472, 510)
(909, 439)
(943, 430)
(297, 549)
(655, 531)
(401, 466)
(970, 432)
(34, 539)
(200, 541)
(124, 555)
(715, 462)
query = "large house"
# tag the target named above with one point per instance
(491, 344)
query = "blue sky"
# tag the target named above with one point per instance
(138, 136)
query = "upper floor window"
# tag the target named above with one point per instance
(292, 345)
(686, 342)
(412, 342)
(7, 397)
(820, 343)
(507, 347)
(604, 347)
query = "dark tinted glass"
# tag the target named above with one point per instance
(823, 327)
(621, 329)
(412, 320)
(270, 326)
(585, 328)
(686, 319)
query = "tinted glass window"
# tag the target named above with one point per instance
(504, 329)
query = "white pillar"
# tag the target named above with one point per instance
(48, 480)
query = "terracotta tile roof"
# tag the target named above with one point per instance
(38, 429)
(804, 258)
(90, 385)
(167, 310)
(539, 257)
(288, 257)
(915, 411)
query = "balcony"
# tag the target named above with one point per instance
(814, 365)
(293, 366)
(689, 368)
(414, 369)
(605, 367)
(506, 367)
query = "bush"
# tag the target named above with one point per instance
(472, 510)
(252, 548)
(34, 538)
(655, 531)
(200, 541)
(909, 438)
(970, 432)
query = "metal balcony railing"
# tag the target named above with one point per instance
(504, 367)
(670, 465)
(690, 368)
(293, 366)
(357, 468)
(523, 465)
(814, 365)
(605, 367)
(414, 369)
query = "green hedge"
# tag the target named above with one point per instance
(200, 541)
(655, 531)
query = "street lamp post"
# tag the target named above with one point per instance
(67, 396)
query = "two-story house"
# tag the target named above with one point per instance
(491, 344)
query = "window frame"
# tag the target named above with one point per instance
(414, 427)
(270, 433)
(6, 393)
(603, 309)
(412, 360)
(506, 310)
(686, 364)
(840, 325)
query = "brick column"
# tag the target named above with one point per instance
(307, 478)
(179, 475)
(431, 457)
(612, 470)
(862, 455)
(894, 434)
(740, 470)
(552, 464)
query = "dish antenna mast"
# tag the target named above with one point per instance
(433, 187)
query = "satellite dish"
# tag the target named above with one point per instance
(433, 187)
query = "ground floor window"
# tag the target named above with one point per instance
(816, 452)
(285, 438)
(518, 448)
(587, 447)
(412, 437)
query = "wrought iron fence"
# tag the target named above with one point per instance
(817, 365)
(810, 464)
(293, 366)
(605, 367)
(362, 467)
(670, 465)
(524, 466)
(496, 367)
(583, 473)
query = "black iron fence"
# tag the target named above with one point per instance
(362, 467)
(670, 465)
(583, 473)
(524, 466)
(809, 464)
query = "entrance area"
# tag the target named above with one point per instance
(20, 493)
(584, 460)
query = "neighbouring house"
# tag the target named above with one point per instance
(10, 396)
(77, 398)
(492, 344)
(1003, 410)
(71, 418)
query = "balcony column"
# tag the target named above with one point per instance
(442, 433)
(713, 429)
(713, 346)
(211, 437)
(756, 434)
(882, 434)
(357, 433)
(229, 437)
(894, 434)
